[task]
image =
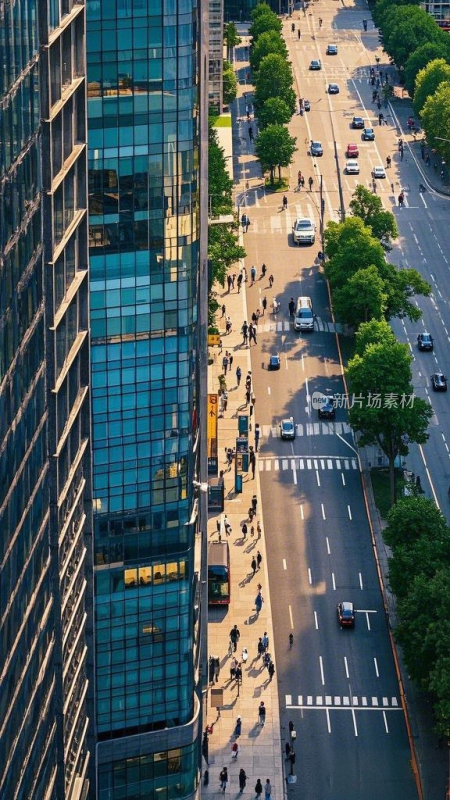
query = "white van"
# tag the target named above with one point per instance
(304, 317)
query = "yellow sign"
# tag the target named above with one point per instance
(213, 339)
(213, 414)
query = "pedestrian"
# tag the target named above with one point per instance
(250, 133)
(247, 397)
(233, 278)
(234, 636)
(228, 528)
(258, 530)
(252, 531)
(253, 565)
(242, 780)
(224, 399)
(260, 647)
(271, 670)
(250, 409)
(265, 641)
(287, 749)
(234, 751)
(220, 346)
(223, 310)
(257, 435)
(244, 331)
(230, 360)
(285, 202)
(252, 334)
(264, 304)
(291, 727)
(258, 788)
(223, 777)
(225, 362)
(266, 660)
(267, 786)
(262, 714)
(228, 325)
(254, 503)
(233, 666)
(238, 674)
(299, 178)
(258, 557)
(248, 381)
(253, 275)
(299, 34)
(255, 318)
(252, 459)
(310, 182)
(263, 271)
(245, 655)
(259, 600)
(244, 529)
(229, 456)
(229, 282)
(270, 281)
(401, 197)
(239, 282)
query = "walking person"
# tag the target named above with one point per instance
(242, 780)
(239, 282)
(285, 202)
(233, 278)
(257, 436)
(235, 636)
(228, 325)
(271, 670)
(253, 275)
(239, 674)
(229, 282)
(244, 529)
(224, 309)
(267, 785)
(258, 788)
(247, 397)
(233, 666)
(263, 271)
(265, 641)
(259, 600)
(262, 714)
(223, 777)
(270, 281)
(252, 459)
(230, 360)
(245, 655)
(253, 566)
(260, 647)
(310, 182)
(244, 331)
(225, 362)
(234, 751)
(264, 304)
(254, 503)
(248, 380)
(258, 530)
(258, 559)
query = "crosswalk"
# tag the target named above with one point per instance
(294, 463)
(310, 429)
(282, 325)
(342, 702)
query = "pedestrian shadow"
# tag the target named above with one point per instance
(251, 546)
(246, 580)
(240, 542)
(255, 673)
(255, 731)
(252, 619)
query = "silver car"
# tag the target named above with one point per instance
(304, 231)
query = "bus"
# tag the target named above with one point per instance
(219, 588)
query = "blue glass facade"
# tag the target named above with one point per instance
(45, 531)
(143, 119)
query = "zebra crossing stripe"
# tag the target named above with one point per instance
(318, 701)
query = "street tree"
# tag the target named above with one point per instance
(361, 298)
(274, 112)
(439, 688)
(219, 183)
(425, 556)
(382, 7)
(263, 21)
(231, 38)
(373, 332)
(428, 80)
(435, 117)
(385, 411)
(413, 518)
(223, 251)
(369, 207)
(406, 28)
(269, 42)
(350, 246)
(420, 58)
(401, 286)
(229, 83)
(275, 147)
(274, 79)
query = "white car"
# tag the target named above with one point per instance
(352, 167)
(304, 231)
(379, 172)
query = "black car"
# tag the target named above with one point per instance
(274, 361)
(425, 341)
(368, 134)
(346, 615)
(316, 149)
(439, 382)
(307, 105)
(327, 411)
(357, 122)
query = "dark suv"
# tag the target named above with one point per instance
(425, 341)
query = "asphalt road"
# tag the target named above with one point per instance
(338, 687)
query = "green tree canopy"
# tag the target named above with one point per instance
(435, 118)
(350, 246)
(420, 58)
(263, 21)
(428, 80)
(274, 79)
(229, 83)
(275, 147)
(269, 42)
(385, 411)
(274, 112)
(361, 298)
(223, 251)
(373, 332)
(401, 286)
(368, 206)
(382, 7)
(408, 27)
(219, 183)
(414, 518)
(231, 37)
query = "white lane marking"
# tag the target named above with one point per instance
(376, 667)
(290, 617)
(349, 512)
(328, 546)
(301, 512)
(374, 701)
(368, 622)
(288, 699)
(385, 701)
(309, 576)
(321, 671)
(323, 511)
(328, 720)
(294, 471)
(346, 667)
(316, 621)
(268, 390)
(354, 722)
(385, 722)
(360, 580)
(284, 564)
(333, 580)
(318, 478)
(343, 478)
(303, 363)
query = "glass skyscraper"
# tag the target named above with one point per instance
(45, 519)
(148, 298)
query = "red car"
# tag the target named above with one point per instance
(352, 151)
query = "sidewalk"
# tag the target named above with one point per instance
(260, 753)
